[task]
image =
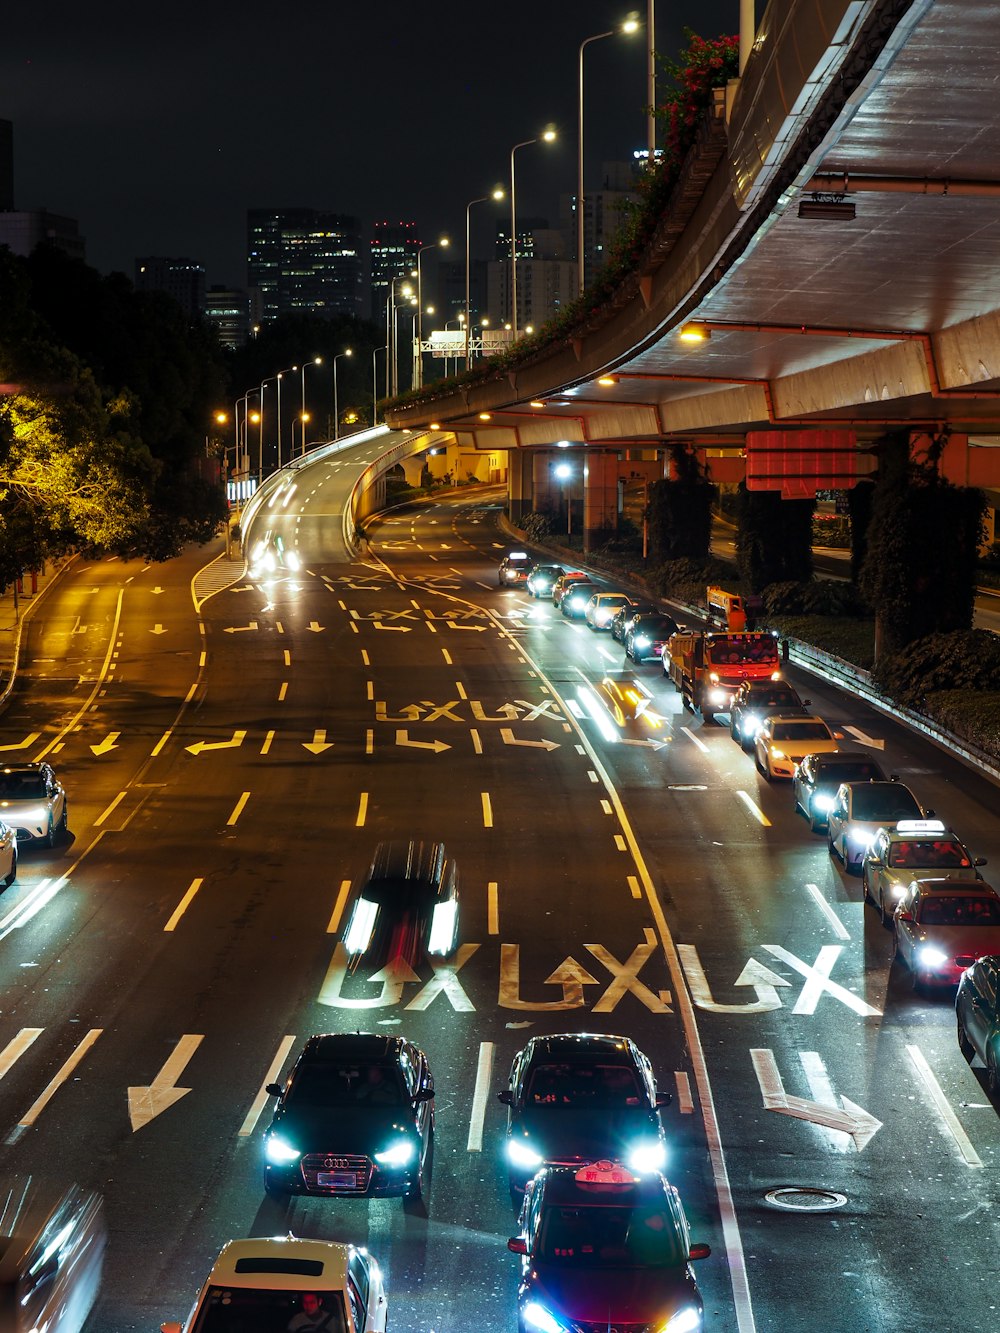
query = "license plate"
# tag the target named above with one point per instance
(337, 1179)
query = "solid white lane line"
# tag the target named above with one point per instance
(263, 1096)
(338, 907)
(362, 810)
(492, 908)
(943, 1108)
(692, 737)
(484, 1074)
(16, 1047)
(487, 810)
(839, 929)
(105, 813)
(685, 1102)
(237, 809)
(39, 1105)
(754, 808)
(182, 906)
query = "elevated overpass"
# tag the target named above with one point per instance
(833, 250)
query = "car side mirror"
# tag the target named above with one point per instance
(275, 1089)
(980, 861)
(424, 1095)
(873, 861)
(904, 916)
(516, 1245)
(838, 735)
(807, 703)
(664, 1099)
(506, 1097)
(699, 1251)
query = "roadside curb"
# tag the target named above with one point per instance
(26, 615)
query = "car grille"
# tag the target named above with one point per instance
(588, 1326)
(359, 1167)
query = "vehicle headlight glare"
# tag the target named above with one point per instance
(896, 889)
(928, 955)
(822, 803)
(538, 1317)
(861, 837)
(279, 1152)
(687, 1320)
(776, 753)
(641, 641)
(398, 1154)
(647, 1157)
(520, 1154)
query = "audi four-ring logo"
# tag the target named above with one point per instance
(337, 1163)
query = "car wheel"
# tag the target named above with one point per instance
(992, 1072)
(733, 730)
(10, 877)
(815, 825)
(50, 837)
(865, 895)
(964, 1044)
(275, 1192)
(831, 845)
(64, 823)
(414, 1200)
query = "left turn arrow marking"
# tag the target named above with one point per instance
(107, 744)
(145, 1104)
(199, 746)
(23, 745)
(240, 629)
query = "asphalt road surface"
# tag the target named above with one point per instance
(230, 765)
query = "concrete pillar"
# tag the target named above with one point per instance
(520, 489)
(600, 495)
(546, 488)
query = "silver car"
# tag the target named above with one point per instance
(33, 803)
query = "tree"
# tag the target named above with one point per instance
(680, 510)
(773, 538)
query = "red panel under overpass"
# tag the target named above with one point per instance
(800, 463)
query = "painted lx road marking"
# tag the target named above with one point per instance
(818, 980)
(762, 979)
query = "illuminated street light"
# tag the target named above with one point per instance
(497, 194)
(291, 446)
(564, 472)
(418, 356)
(547, 135)
(316, 361)
(348, 351)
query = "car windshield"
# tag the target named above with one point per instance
(609, 1237)
(246, 1310)
(605, 1087)
(929, 855)
(770, 701)
(954, 911)
(323, 1085)
(801, 731)
(401, 892)
(730, 649)
(880, 804)
(21, 786)
(832, 775)
(654, 625)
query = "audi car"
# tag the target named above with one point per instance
(354, 1117)
(942, 926)
(604, 1248)
(576, 1097)
(33, 803)
(407, 906)
(914, 849)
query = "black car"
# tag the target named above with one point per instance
(578, 1097)
(757, 699)
(621, 620)
(646, 636)
(977, 1009)
(818, 778)
(604, 1249)
(541, 579)
(573, 603)
(514, 568)
(355, 1117)
(407, 907)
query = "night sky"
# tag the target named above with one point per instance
(157, 127)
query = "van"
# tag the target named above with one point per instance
(52, 1240)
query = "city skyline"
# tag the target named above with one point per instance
(158, 141)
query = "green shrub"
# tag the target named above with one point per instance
(686, 579)
(846, 637)
(818, 597)
(974, 717)
(961, 660)
(537, 525)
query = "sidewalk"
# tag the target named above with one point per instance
(17, 605)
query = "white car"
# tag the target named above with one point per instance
(33, 803)
(859, 810)
(603, 607)
(8, 855)
(283, 1283)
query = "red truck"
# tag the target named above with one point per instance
(709, 667)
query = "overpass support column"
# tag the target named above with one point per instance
(520, 490)
(600, 495)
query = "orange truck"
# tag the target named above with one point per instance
(726, 607)
(708, 667)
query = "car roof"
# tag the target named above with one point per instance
(582, 1047)
(399, 859)
(562, 1187)
(282, 1262)
(846, 757)
(961, 888)
(364, 1047)
(25, 767)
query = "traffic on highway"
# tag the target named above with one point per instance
(392, 947)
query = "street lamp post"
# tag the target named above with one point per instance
(316, 361)
(418, 357)
(375, 353)
(391, 360)
(287, 371)
(630, 25)
(548, 135)
(260, 442)
(496, 193)
(336, 415)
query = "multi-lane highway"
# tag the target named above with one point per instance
(232, 759)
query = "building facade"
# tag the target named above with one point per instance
(394, 250)
(303, 260)
(227, 310)
(183, 279)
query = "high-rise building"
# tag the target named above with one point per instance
(605, 208)
(302, 260)
(227, 310)
(394, 250)
(183, 279)
(23, 231)
(6, 166)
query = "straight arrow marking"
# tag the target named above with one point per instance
(157, 629)
(864, 739)
(144, 1104)
(318, 744)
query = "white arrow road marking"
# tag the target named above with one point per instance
(403, 738)
(650, 743)
(157, 589)
(865, 739)
(263, 1096)
(316, 627)
(476, 629)
(411, 713)
(484, 1075)
(240, 629)
(508, 738)
(764, 982)
(68, 1066)
(23, 745)
(145, 1104)
(318, 744)
(393, 977)
(852, 1120)
(107, 744)
(818, 980)
(157, 629)
(199, 747)
(941, 1105)
(569, 974)
(444, 982)
(510, 712)
(626, 978)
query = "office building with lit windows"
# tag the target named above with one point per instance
(183, 279)
(303, 260)
(394, 249)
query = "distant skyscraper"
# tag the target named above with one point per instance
(227, 310)
(6, 166)
(23, 231)
(183, 279)
(302, 260)
(393, 255)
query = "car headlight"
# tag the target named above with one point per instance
(897, 889)
(647, 1157)
(750, 725)
(929, 955)
(718, 696)
(537, 1316)
(687, 1320)
(293, 561)
(443, 919)
(279, 1151)
(519, 1154)
(861, 837)
(641, 641)
(398, 1154)
(822, 803)
(776, 753)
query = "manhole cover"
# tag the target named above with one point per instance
(806, 1200)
